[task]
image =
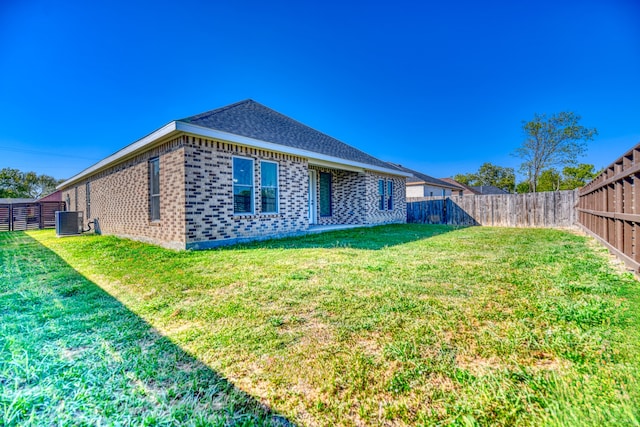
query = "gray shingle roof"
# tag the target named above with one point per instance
(419, 177)
(489, 189)
(252, 119)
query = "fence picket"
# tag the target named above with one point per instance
(551, 209)
(609, 208)
(29, 216)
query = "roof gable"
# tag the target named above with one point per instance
(253, 120)
(252, 124)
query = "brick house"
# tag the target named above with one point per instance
(237, 173)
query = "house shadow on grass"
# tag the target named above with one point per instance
(370, 238)
(85, 358)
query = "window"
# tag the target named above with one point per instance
(88, 200)
(269, 186)
(242, 185)
(325, 194)
(154, 189)
(385, 194)
(75, 199)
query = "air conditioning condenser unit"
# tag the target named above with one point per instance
(69, 223)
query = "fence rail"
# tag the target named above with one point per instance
(548, 209)
(29, 216)
(609, 207)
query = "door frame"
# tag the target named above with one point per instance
(313, 197)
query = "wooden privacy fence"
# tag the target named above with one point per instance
(29, 216)
(609, 207)
(548, 209)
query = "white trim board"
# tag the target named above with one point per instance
(176, 127)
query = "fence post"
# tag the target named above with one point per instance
(444, 210)
(609, 208)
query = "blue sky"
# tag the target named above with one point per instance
(441, 87)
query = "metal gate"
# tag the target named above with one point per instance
(29, 216)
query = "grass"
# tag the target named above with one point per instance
(393, 325)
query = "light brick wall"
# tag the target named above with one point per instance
(196, 196)
(209, 187)
(354, 198)
(374, 214)
(347, 197)
(120, 197)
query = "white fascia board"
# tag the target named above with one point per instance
(176, 127)
(314, 158)
(130, 149)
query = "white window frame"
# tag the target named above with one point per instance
(253, 185)
(385, 198)
(277, 187)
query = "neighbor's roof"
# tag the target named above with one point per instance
(460, 185)
(56, 196)
(421, 178)
(489, 189)
(252, 124)
(11, 201)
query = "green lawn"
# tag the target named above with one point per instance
(393, 325)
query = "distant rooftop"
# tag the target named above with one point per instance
(11, 201)
(489, 189)
(419, 177)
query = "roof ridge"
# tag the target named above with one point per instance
(218, 110)
(320, 132)
(280, 116)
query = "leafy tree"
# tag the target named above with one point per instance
(572, 177)
(466, 178)
(522, 187)
(490, 174)
(17, 184)
(578, 176)
(552, 141)
(43, 185)
(549, 180)
(498, 176)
